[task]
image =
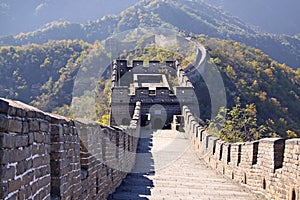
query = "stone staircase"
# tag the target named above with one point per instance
(175, 172)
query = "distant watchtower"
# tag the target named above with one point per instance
(149, 84)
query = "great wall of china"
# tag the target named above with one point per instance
(43, 156)
(270, 166)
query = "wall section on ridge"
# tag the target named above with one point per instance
(269, 166)
(43, 156)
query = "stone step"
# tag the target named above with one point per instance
(184, 178)
(159, 194)
(182, 189)
(201, 184)
(174, 178)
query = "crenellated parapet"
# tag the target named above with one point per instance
(122, 71)
(270, 166)
(44, 156)
(183, 79)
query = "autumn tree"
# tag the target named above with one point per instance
(238, 124)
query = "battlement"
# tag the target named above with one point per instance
(269, 166)
(122, 72)
(44, 156)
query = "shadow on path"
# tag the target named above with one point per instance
(137, 185)
(168, 168)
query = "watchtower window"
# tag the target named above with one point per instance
(294, 196)
(152, 92)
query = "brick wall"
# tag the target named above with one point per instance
(268, 166)
(43, 156)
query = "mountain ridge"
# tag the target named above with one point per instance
(26, 16)
(209, 20)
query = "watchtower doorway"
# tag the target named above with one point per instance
(157, 123)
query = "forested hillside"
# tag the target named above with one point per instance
(250, 76)
(182, 15)
(41, 75)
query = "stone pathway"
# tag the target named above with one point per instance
(169, 169)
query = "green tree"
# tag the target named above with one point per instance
(239, 124)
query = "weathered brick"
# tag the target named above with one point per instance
(7, 140)
(47, 138)
(4, 106)
(30, 138)
(3, 189)
(5, 156)
(23, 166)
(38, 149)
(34, 188)
(40, 115)
(15, 126)
(34, 125)
(21, 154)
(20, 112)
(31, 114)
(45, 193)
(44, 126)
(37, 162)
(21, 140)
(44, 181)
(7, 173)
(22, 194)
(55, 119)
(12, 111)
(25, 127)
(39, 137)
(3, 123)
(28, 192)
(28, 177)
(14, 185)
(56, 129)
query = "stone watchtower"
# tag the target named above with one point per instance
(155, 85)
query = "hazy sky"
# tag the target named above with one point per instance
(27, 15)
(277, 16)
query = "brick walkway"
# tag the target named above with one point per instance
(169, 169)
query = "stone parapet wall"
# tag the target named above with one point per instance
(24, 152)
(268, 166)
(183, 79)
(43, 156)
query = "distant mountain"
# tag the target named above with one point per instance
(189, 16)
(22, 16)
(271, 16)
